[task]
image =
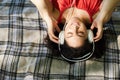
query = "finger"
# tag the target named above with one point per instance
(98, 36)
(57, 28)
(93, 25)
(54, 40)
(53, 37)
(96, 40)
(54, 20)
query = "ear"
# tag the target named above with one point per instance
(61, 37)
(90, 36)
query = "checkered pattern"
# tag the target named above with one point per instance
(24, 55)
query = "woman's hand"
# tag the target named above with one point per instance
(52, 27)
(106, 9)
(45, 9)
(98, 23)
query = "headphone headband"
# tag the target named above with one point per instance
(61, 43)
(83, 58)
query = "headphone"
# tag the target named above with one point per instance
(62, 39)
(83, 58)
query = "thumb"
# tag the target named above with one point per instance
(94, 24)
(92, 27)
(57, 28)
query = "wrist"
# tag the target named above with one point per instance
(46, 15)
(104, 16)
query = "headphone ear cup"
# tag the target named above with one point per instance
(61, 37)
(90, 36)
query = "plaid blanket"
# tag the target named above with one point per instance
(24, 55)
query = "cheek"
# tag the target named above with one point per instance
(86, 35)
(67, 27)
(84, 29)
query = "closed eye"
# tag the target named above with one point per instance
(81, 34)
(70, 34)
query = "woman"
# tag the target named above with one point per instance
(77, 15)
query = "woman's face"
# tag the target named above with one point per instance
(75, 32)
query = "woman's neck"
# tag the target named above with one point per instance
(74, 12)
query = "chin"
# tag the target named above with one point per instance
(77, 45)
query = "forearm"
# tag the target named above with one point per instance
(107, 8)
(45, 8)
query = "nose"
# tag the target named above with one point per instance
(75, 25)
(75, 29)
